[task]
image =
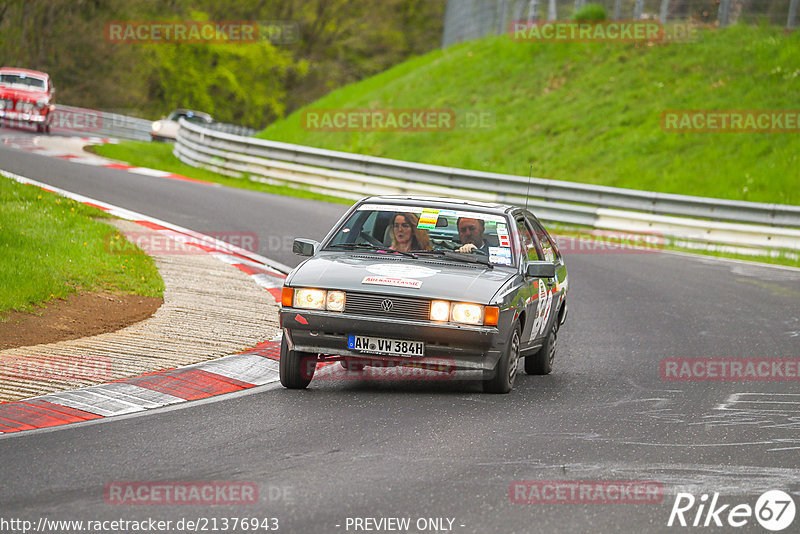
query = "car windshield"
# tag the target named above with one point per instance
(454, 234)
(191, 117)
(22, 81)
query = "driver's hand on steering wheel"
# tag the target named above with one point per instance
(469, 247)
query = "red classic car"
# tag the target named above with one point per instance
(26, 97)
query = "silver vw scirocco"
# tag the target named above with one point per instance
(438, 283)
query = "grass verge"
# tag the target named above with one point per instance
(588, 112)
(51, 246)
(159, 156)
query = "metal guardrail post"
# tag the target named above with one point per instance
(662, 16)
(791, 20)
(617, 10)
(533, 10)
(638, 7)
(722, 16)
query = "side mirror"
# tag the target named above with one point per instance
(541, 270)
(304, 247)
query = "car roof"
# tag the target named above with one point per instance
(27, 72)
(192, 112)
(443, 202)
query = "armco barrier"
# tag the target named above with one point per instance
(104, 124)
(100, 123)
(696, 219)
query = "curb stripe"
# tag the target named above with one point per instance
(250, 368)
(65, 412)
(37, 417)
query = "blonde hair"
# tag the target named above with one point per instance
(419, 237)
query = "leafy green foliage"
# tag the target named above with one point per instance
(242, 84)
(337, 42)
(591, 12)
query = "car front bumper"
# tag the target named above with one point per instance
(461, 347)
(22, 117)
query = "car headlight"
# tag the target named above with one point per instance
(156, 126)
(467, 313)
(440, 310)
(41, 103)
(464, 312)
(335, 301)
(312, 299)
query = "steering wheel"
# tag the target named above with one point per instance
(371, 240)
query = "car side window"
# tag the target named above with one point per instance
(528, 250)
(549, 251)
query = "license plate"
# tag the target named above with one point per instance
(390, 347)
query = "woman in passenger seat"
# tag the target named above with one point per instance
(405, 234)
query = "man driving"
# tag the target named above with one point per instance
(470, 231)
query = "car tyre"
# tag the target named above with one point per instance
(296, 368)
(541, 363)
(501, 380)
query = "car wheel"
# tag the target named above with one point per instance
(502, 378)
(296, 368)
(541, 363)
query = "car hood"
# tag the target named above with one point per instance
(398, 275)
(21, 94)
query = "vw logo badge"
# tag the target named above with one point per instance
(387, 305)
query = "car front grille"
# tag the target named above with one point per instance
(375, 305)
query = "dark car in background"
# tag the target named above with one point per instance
(27, 97)
(440, 282)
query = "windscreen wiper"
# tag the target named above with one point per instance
(460, 256)
(370, 246)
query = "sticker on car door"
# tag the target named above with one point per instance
(543, 305)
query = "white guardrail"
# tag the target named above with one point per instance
(105, 124)
(99, 123)
(750, 227)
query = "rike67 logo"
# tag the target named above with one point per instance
(774, 510)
